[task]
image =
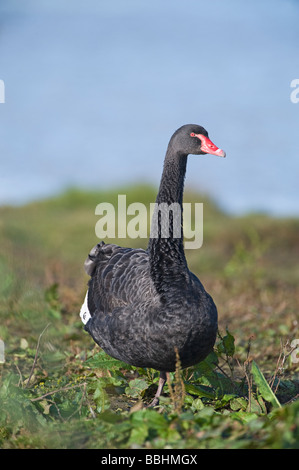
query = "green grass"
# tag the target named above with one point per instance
(59, 390)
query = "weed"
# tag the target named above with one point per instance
(177, 393)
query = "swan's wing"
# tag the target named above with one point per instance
(119, 277)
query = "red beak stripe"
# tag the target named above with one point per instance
(208, 146)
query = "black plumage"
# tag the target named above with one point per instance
(144, 305)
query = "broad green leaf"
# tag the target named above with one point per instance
(204, 370)
(238, 403)
(101, 360)
(136, 387)
(197, 405)
(200, 391)
(254, 405)
(224, 400)
(263, 386)
(243, 416)
(101, 398)
(227, 345)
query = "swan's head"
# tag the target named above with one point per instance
(194, 139)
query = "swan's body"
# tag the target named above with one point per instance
(143, 305)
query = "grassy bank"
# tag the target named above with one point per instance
(59, 390)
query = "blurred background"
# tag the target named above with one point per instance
(95, 89)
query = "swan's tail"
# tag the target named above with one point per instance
(90, 263)
(89, 267)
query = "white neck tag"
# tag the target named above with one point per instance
(84, 312)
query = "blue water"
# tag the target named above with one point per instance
(94, 90)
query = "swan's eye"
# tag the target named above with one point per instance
(192, 134)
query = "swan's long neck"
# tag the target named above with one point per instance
(168, 264)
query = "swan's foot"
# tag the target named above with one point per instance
(154, 402)
(162, 380)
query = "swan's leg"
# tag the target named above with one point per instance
(162, 380)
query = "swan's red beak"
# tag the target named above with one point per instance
(208, 146)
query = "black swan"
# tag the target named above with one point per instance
(143, 306)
